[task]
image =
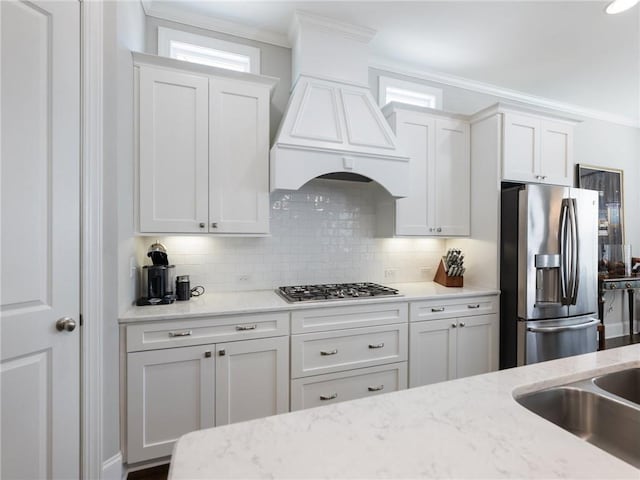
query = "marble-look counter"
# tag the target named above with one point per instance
(466, 428)
(224, 303)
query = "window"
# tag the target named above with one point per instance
(394, 90)
(208, 51)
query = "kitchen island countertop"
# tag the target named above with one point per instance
(466, 428)
(255, 301)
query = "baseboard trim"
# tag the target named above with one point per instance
(112, 468)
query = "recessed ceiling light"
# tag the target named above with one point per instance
(618, 6)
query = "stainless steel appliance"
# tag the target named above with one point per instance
(334, 291)
(548, 273)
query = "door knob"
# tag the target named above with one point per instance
(66, 323)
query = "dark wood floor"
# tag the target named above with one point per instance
(154, 473)
(621, 341)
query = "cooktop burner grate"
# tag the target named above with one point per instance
(334, 291)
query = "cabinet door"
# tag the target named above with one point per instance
(174, 151)
(477, 345)
(239, 167)
(556, 153)
(169, 393)
(521, 156)
(416, 136)
(452, 183)
(432, 352)
(252, 379)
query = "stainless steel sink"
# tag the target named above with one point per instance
(625, 384)
(587, 410)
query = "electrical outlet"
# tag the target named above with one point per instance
(390, 273)
(426, 271)
(244, 278)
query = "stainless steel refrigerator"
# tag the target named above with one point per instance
(548, 273)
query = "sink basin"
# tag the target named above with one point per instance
(625, 384)
(606, 423)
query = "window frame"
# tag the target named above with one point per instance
(167, 35)
(385, 82)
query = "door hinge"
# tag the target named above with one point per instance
(81, 321)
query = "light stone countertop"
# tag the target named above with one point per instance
(466, 428)
(242, 302)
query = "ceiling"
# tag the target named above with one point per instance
(567, 51)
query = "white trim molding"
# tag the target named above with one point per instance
(153, 8)
(392, 66)
(112, 468)
(92, 13)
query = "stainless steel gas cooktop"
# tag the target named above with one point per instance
(334, 291)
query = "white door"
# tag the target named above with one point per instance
(252, 379)
(174, 151)
(452, 182)
(556, 153)
(169, 393)
(477, 346)
(39, 371)
(414, 214)
(432, 351)
(239, 168)
(521, 155)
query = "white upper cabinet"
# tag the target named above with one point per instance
(174, 150)
(203, 148)
(537, 149)
(438, 147)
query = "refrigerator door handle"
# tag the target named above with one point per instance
(563, 252)
(575, 254)
(592, 322)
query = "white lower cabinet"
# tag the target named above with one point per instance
(336, 362)
(252, 379)
(325, 389)
(174, 391)
(458, 346)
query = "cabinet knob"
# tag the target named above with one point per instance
(207, 354)
(214, 224)
(462, 324)
(202, 224)
(453, 325)
(222, 352)
(439, 229)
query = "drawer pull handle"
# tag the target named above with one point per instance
(186, 333)
(329, 397)
(475, 305)
(376, 345)
(377, 388)
(329, 352)
(439, 309)
(246, 327)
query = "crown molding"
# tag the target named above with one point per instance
(355, 32)
(174, 14)
(392, 66)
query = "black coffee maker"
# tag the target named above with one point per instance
(157, 280)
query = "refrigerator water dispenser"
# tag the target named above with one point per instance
(547, 279)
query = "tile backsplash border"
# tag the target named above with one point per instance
(322, 233)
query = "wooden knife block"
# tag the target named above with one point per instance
(443, 279)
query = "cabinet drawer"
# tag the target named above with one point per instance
(338, 387)
(453, 307)
(332, 318)
(179, 333)
(326, 352)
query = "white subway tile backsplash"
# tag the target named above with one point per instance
(322, 233)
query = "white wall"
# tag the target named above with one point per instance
(123, 31)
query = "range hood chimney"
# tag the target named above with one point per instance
(332, 124)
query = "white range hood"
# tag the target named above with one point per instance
(332, 124)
